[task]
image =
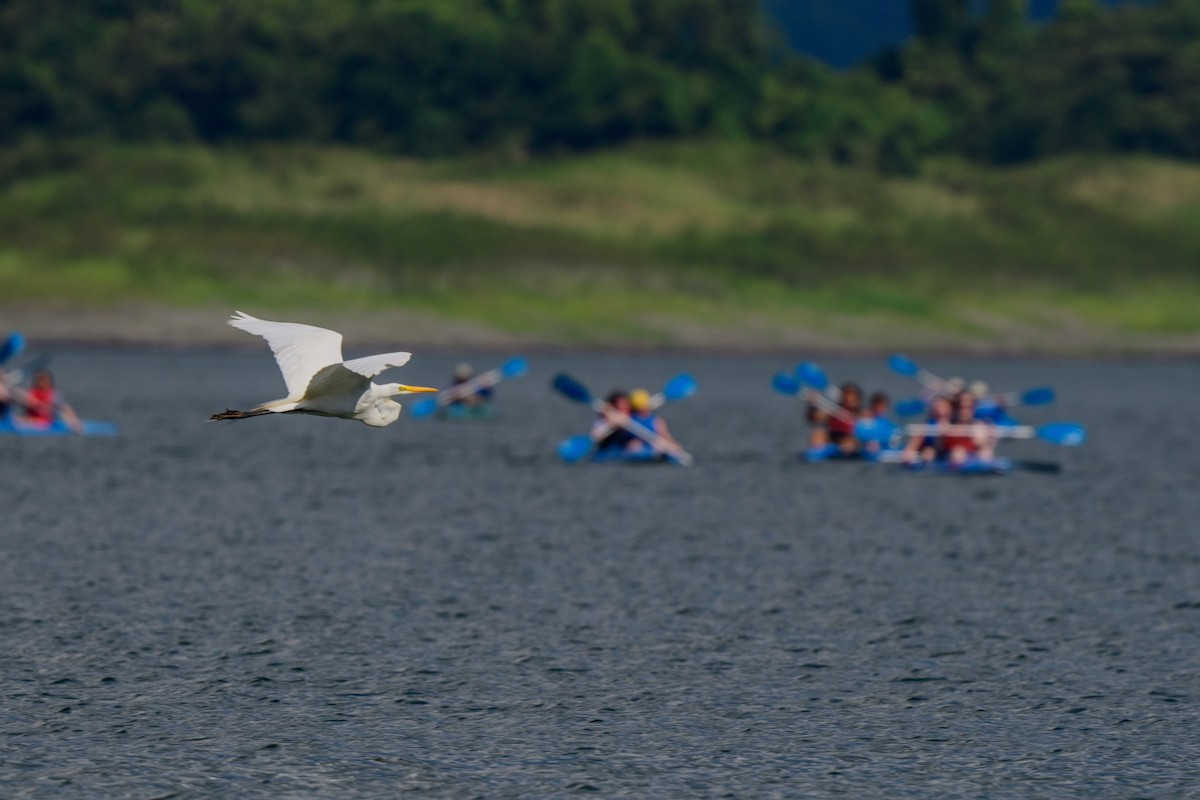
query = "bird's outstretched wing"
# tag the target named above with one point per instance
(300, 350)
(370, 366)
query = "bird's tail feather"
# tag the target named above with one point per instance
(229, 413)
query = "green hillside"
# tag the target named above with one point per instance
(694, 244)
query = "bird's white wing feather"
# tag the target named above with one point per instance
(335, 381)
(300, 350)
(370, 366)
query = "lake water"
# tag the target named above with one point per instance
(303, 607)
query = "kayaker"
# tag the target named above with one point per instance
(644, 414)
(923, 448)
(834, 428)
(606, 432)
(44, 406)
(878, 408)
(978, 442)
(480, 396)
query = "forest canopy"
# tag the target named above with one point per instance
(427, 77)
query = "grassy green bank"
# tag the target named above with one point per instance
(699, 245)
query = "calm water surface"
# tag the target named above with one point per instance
(301, 607)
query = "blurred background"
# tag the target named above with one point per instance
(993, 175)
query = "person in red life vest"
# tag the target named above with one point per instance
(44, 406)
(977, 441)
(832, 427)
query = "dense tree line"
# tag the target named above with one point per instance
(1093, 79)
(438, 77)
(425, 76)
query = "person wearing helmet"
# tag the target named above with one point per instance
(478, 398)
(642, 412)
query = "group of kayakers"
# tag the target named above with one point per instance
(38, 407)
(960, 424)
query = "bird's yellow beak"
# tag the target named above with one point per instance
(415, 389)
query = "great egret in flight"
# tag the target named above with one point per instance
(319, 381)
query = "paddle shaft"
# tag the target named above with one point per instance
(16, 377)
(939, 385)
(823, 402)
(468, 388)
(1000, 431)
(656, 402)
(933, 383)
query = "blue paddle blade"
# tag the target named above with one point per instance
(1067, 434)
(911, 407)
(12, 346)
(1041, 396)
(514, 367)
(785, 384)
(814, 376)
(575, 449)
(874, 430)
(679, 387)
(571, 389)
(904, 365)
(423, 407)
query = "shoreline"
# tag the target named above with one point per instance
(201, 329)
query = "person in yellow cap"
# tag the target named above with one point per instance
(642, 412)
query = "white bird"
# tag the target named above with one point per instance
(319, 381)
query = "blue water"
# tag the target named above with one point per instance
(304, 607)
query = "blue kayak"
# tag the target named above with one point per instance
(831, 452)
(972, 466)
(619, 456)
(461, 411)
(59, 428)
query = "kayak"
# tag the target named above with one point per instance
(618, 456)
(972, 466)
(461, 411)
(59, 428)
(831, 452)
